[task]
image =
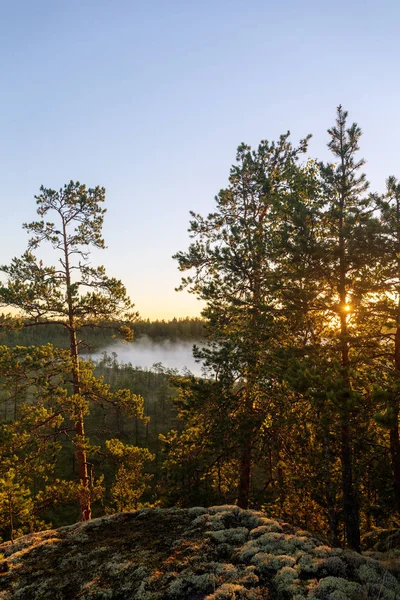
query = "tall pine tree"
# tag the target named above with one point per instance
(233, 260)
(72, 292)
(346, 208)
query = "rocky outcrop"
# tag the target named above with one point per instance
(218, 553)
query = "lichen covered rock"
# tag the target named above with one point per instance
(218, 553)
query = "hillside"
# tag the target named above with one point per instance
(194, 554)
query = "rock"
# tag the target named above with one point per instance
(178, 554)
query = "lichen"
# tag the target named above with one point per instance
(176, 554)
(231, 591)
(187, 584)
(269, 563)
(332, 565)
(379, 583)
(286, 581)
(230, 536)
(337, 588)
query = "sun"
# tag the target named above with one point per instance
(347, 308)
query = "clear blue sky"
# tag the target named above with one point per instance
(151, 99)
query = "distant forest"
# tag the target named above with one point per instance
(103, 335)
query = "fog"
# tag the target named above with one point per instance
(145, 352)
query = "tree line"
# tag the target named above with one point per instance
(102, 336)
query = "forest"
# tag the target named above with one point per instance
(102, 336)
(297, 413)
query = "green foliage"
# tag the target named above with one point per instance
(48, 294)
(234, 258)
(298, 267)
(130, 480)
(99, 336)
(16, 505)
(37, 382)
(73, 294)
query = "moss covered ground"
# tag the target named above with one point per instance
(218, 553)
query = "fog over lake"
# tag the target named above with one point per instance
(144, 352)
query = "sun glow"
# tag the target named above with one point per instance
(347, 308)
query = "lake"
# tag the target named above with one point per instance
(144, 353)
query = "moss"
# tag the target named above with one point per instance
(251, 519)
(278, 543)
(378, 582)
(226, 571)
(334, 566)
(230, 591)
(197, 511)
(249, 577)
(246, 552)
(337, 588)
(225, 519)
(224, 551)
(323, 551)
(177, 554)
(352, 559)
(235, 536)
(307, 566)
(224, 508)
(268, 564)
(286, 581)
(186, 585)
(272, 526)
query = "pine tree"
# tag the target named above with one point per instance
(73, 293)
(130, 481)
(384, 318)
(15, 504)
(347, 209)
(30, 443)
(234, 262)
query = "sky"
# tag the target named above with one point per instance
(151, 99)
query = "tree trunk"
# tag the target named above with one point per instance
(394, 427)
(330, 495)
(10, 514)
(244, 476)
(281, 485)
(350, 503)
(395, 405)
(80, 452)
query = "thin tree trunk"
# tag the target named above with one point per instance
(10, 508)
(330, 495)
(281, 485)
(394, 427)
(350, 503)
(251, 376)
(244, 476)
(394, 406)
(80, 452)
